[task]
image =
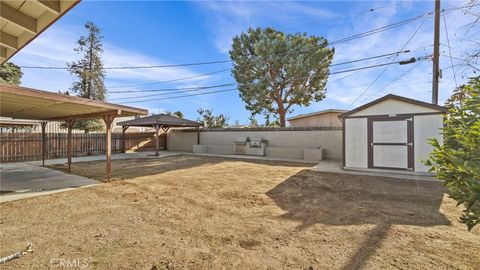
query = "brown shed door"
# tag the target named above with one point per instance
(390, 143)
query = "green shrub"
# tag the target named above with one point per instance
(456, 161)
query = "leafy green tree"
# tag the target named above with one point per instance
(253, 122)
(456, 161)
(210, 120)
(177, 113)
(89, 72)
(275, 71)
(10, 73)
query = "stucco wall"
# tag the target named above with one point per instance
(425, 127)
(286, 143)
(321, 120)
(356, 151)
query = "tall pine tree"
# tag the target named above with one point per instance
(89, 72)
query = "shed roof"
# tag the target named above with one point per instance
(22, 21)
(27, 103)
(397, 98)
(161, 120)
(316, 113)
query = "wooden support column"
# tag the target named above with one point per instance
(44, 142)
(157, 129)
(165, 129)
(198, 135)
(108, 119)
(124, 129)
(70, 123)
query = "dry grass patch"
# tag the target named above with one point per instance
(192, 212)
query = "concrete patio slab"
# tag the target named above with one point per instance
(147, 154)
(21, 180)
(335, 166)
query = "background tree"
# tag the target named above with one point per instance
(456, 161)
(275, 71)
(89, 73)
(253, 122)
(177, 113)
(210, 120)
(10, 73)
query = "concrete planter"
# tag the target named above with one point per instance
(199, 148)
(313, 154)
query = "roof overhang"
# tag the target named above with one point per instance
(27, 103)
(160, 120)
(22, 21)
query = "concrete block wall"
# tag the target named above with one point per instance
(282, 142)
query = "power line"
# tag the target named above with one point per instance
(193, 89)
(343, 63)
(191, 95)
(386, 67)
(450, 50)
(141, 67)
(371, 57)
(171, 89)
(380, 29)
(391, 82)
(173, 80)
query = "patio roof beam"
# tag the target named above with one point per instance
(8, 41)
(53, 6)
(89, 115)
(18, 18)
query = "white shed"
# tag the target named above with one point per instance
(391, 132)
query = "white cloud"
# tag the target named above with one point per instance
(230, 18)
(55, 48)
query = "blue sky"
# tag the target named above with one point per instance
(154, 33)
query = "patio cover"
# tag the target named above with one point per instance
(22, 21)
(163, 121)
(33, 104)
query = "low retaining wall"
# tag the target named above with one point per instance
(282, 142)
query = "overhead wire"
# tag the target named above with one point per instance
(172, 80)
(387, 66)
(342, 63)
(393, 81)
(450, 50)
(193, 89)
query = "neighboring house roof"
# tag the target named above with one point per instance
(237, 126)
(398, 98)
(8, 123)
(316, 113)
(161, 120)
(22, 21)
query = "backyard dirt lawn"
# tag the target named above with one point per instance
(190, 212)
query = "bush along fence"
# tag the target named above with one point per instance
(16, 147)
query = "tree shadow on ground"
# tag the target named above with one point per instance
(123, 169)
(341, 199)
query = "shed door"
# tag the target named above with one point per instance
(390, 143)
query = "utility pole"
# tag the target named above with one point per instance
(436, 54)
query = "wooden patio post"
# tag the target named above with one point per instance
(157, 128)
(165, 129)
(44, 142)
(70, 123)
(198, 135)
(124, 129)
(108, 119)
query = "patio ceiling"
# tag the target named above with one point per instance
(26, 103)
(23, 20)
